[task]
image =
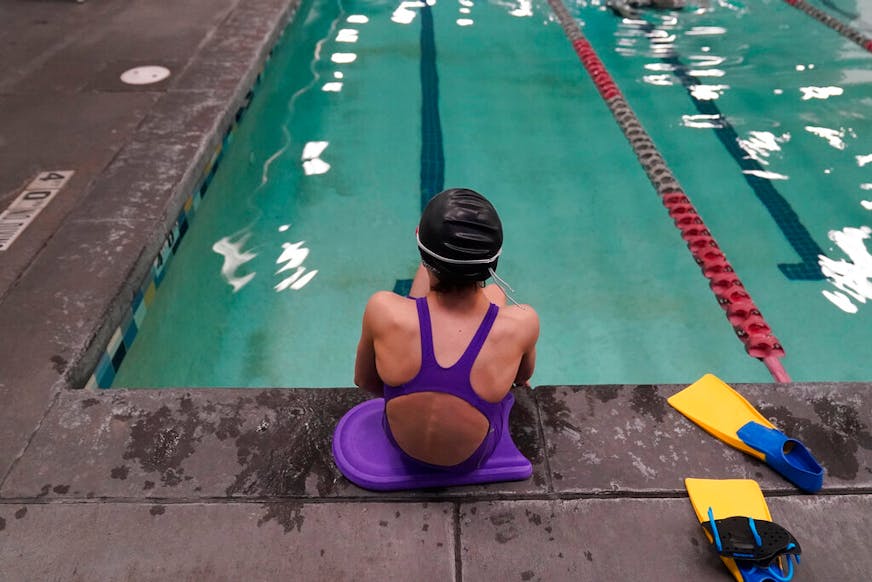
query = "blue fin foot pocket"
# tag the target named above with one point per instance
(753, 572)
(786, 455)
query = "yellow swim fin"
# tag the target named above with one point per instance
(750, 545)
(720, 410)
(726, 415)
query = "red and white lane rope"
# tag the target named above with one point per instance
(742, 313)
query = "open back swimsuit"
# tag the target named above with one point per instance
(454, 380)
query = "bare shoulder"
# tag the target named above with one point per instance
(522, 319)
(385, 308)
(384, 300)
(522, 313)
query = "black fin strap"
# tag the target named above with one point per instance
(750, 540)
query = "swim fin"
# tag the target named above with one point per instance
(736, 520)
(726, 415)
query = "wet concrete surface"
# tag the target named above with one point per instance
(644, 539)
(628, 438)
(171, 444)
(222, 542)
(230, 483)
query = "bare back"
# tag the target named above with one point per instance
(432, 426)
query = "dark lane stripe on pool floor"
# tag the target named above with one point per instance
(432, 153)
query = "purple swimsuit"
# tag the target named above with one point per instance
(455, 381)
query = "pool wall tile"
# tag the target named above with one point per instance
(130, 331)
(105, 373)
(114, 341)
(139, 314)
(149, 293)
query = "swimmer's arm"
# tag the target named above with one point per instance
(530, 336)
(365, 371)
(525, 369)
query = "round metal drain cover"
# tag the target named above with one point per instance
(145, 75)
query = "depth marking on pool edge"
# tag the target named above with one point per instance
(24, 209)
(747, 321)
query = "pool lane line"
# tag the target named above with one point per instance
(432, 149)
(845, 30)
(747, 321)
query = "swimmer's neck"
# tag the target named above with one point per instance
(470, 298)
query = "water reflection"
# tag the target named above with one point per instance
(852, 277)
(404, 13)
(707, 92)
(760, 144)
(234, 258)
(346, 35)
(703, 121)
(705, 31)
(312, 162)
(766, 175)
(343, 58)
(465, 9)
(334, 86)
(293, 255)
(820, 92)
(833, 136)
(524, 9)
(660, 80)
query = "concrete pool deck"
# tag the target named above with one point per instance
(224, 484)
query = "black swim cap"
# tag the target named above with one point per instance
(460, 235)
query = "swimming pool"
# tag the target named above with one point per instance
(367, 108)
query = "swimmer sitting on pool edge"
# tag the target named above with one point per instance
(446, 357)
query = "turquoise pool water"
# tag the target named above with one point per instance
(314, 205)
